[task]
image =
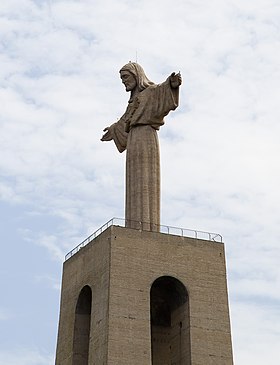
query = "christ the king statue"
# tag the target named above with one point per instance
(136, 132)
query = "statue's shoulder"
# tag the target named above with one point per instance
(149, 89)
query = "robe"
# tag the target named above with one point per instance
(136, 132)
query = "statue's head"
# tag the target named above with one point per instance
(133, 75)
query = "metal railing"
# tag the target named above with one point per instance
(143, 226)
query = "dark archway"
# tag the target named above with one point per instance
(82, 327)
(170, 322)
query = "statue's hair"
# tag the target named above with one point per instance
(142, 80)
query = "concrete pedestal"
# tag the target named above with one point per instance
(119, 267)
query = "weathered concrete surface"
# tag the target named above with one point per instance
(120, 266)
(90, 266)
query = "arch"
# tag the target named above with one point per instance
(82, 327)
(170, 322)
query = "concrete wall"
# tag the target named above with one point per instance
(90, 266)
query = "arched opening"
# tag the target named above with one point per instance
(170, 322)
(82, 327)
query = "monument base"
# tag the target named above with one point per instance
(123, 302)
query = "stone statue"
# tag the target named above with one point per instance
(136, 132)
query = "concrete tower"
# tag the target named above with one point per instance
(134, 297)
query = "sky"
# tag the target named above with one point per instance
(60, 87)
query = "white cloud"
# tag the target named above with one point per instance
(25, 357)
(51, 281)
(258, 334)
(49, 242)
(5, 314)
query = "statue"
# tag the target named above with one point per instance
(136, 132)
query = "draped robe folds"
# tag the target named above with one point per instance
(136, 132)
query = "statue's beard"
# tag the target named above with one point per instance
(128, 88)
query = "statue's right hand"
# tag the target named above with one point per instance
(175, 80)
(108, 135)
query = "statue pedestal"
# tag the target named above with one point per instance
(132, 296)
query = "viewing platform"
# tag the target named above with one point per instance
(141, 226)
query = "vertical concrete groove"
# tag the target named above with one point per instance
(108, 302)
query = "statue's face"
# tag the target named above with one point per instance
(129, 80)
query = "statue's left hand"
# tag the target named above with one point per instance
(175, 80)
